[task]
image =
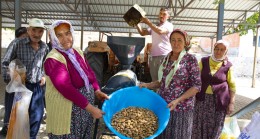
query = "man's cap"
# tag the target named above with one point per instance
(35, 22)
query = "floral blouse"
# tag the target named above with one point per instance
(186, 76)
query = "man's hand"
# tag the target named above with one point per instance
(42, 81)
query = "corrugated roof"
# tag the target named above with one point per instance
(197, 17)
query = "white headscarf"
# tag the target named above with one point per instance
(56, 44)
(226, 44)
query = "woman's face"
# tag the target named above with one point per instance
(220, 51)
(177, 42)
(64, 35)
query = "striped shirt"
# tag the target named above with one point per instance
(33, 60)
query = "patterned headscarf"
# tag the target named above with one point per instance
(175, 65)
(186, 37)
(226, 44)
(56, 45)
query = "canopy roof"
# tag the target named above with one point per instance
(198, 17)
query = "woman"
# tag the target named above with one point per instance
(217, 95)
(70, 87)
(179, 81)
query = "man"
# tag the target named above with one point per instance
(160, 40)
(19, 34)
(31, 51)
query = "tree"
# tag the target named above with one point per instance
(251, 23)
(242, 28)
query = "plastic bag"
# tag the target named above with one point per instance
(19, 126)
(252, 130)
(231, 129)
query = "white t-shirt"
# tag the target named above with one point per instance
(160, 43)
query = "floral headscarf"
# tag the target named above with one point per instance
(186, 37)
(175, 64)
(56, 45)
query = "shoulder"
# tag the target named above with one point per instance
(168, 25)
(79, 51)
(54, 54)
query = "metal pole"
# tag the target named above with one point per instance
(1, 37)
(212, 44)
(17, 14)
(220, 20)
(82, 26)
(255, 54)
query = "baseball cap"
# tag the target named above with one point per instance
(35, 22)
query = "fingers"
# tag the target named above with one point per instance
(143, 85)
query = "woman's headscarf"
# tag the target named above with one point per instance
(176, 63)
(56, 44)
(186, 38)
(226, 44)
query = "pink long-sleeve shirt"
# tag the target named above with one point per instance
(68, 82)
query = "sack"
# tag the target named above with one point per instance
(231, 129)
(252, 130)
(19, 125)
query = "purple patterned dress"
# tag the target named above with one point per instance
(186, 76)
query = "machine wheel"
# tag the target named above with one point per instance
(97, 62)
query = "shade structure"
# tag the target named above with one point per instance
(136, 97)
(126, 49)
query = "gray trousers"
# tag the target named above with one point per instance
(154, 64)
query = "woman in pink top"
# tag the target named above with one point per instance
(70, 75)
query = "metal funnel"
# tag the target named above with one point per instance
(126, 49)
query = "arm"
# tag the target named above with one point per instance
(157, 29)
(232, 90)
(189, 93)
(8, 57)
(142, 31)
(62, 82)
(151, 85)
(92, 77)
(194, 79)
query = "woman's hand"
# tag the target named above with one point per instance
(151, 85)
(100, 95)
(172, 105)
(95, 112)
(230, 108)
(143, 85)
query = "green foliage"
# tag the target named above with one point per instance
(242, 28)
(250, 24)
(10, 28)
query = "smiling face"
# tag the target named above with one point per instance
(220, 51)
(64, 35)
(177, 42)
